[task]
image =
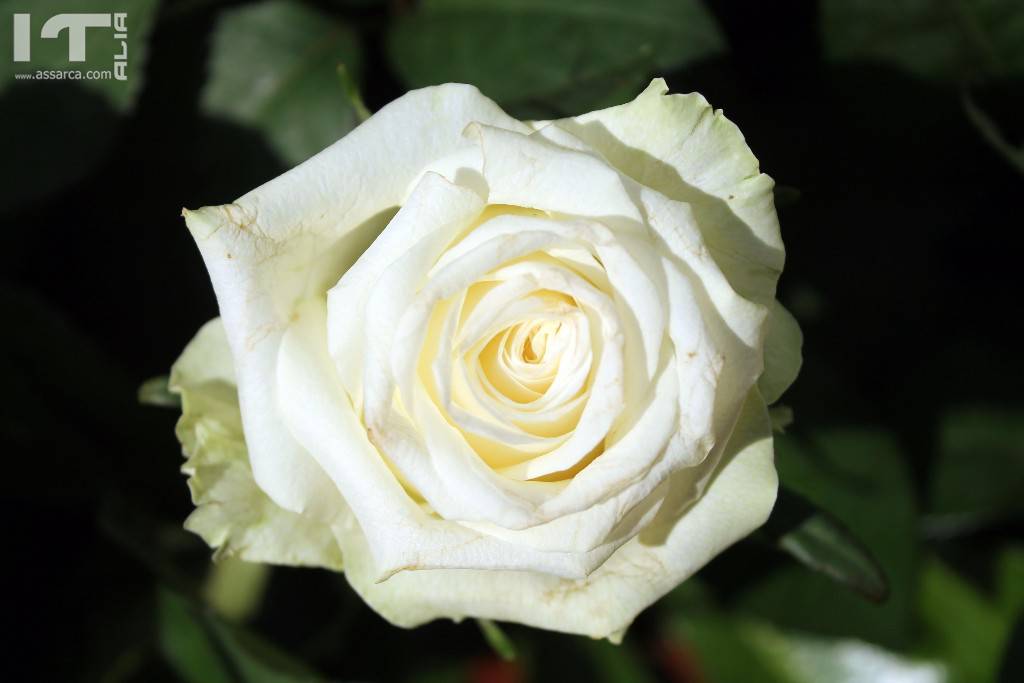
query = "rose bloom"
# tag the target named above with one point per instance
(493, 368)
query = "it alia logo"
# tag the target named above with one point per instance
(76, 26)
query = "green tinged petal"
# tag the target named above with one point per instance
(782, 353)
(232, 513)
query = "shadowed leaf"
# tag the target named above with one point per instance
(979, 472)
(951, 41)
(859, 479)
(204, 649)
(551, 55)
(727, 649)
(824, 544)
(274, 68)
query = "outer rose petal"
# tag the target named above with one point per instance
(232, 514)
(681, 147)
(782, 353)
(293, 238)
(677, 544)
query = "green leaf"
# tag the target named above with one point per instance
(203, 649)
(274, 68)
(961, 625)
(1010, 580)
(824, 544)
(257, 660)
(979, 472)
(715, 646)
(497, 639)
(725, 649)
(858, 477)
(616, 663)
(154, 392)
(551, 56)
(57, 129)
(186, 644)
(962, 40)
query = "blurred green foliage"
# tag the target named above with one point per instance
(203, 648)
(889, 126)
(534, 55)
(820, 541)
(954, 40)
(861, 478)
(979, 471)
(965, 628)
(735, 650)
(274, 67)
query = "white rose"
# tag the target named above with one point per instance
(538, 395)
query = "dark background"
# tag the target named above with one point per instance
(899, 211)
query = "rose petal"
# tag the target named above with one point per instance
(399, 534)
(681, 147)
(232, 514)
(292, 238)
(637, 574)
(782, 353)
